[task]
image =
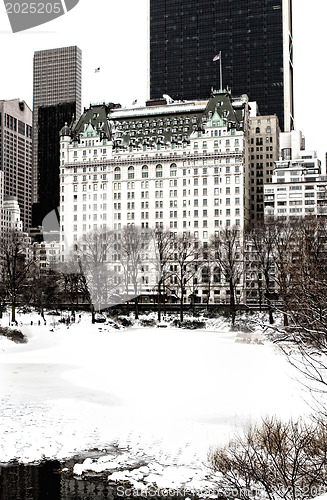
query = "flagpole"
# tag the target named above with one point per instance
(221, 72)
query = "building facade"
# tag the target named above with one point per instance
(297, 189)
(57, 89)
(264, 151)
(16, 154)
(10, 215)
(179, 166)
(10, 218)
(253, 37)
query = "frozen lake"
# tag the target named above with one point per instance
(162, 395)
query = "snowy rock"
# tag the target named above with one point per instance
(144, 469)
(119, 476)
(78, 469)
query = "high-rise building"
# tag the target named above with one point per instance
(254, 39)
(264, 134)
(57, 96)
(16, 154)
(298, 189)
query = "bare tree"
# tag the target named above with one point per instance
(207, 271)
(227, 251)
(162, 261)
(72, 284)
(309, 271)
(285, 249)
(261, 240)
(285, 460)
(16, 265)
(3, 294)
(96, 274)
(136, 256)
(184, 266)
(304, 336)
(42, 289)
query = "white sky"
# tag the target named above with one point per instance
(113, 36)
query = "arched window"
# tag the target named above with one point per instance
(131, 173)
(145, 171)
(117, 173)
(268, 130)
(173, 170)
(257, 130)
(159, 170)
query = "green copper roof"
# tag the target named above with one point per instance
(170, 124)
(96, 117)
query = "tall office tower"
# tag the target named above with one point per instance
(57, 99)
(264, 134)
(255, 41)
(16, 154)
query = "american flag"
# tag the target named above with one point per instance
(134, 102)
(216, 58)
(96, 70)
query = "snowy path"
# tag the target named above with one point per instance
(166, 394)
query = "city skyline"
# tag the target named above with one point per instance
(122, 56)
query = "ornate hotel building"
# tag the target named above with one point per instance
(183, 166)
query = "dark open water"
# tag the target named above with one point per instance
(45, 482)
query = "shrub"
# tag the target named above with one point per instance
(285, 460)
(124, 321)
(191, 325)
(13, 334)
(148, 322)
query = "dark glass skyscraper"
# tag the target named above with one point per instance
(57, 98)
(255, 40)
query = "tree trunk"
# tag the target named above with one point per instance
(93, 314)
(285, 319)
(181, 311)
(232, 300)
(270, 311)
(164, 301)
(13, 309)
(159, 301)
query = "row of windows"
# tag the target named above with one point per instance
(217, 143)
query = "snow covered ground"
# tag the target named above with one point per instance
(160, 396)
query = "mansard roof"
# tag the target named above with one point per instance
(222, 110)
(96, 117)
(172, 123)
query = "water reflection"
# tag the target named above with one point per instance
(19, 482)
(44, 482)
